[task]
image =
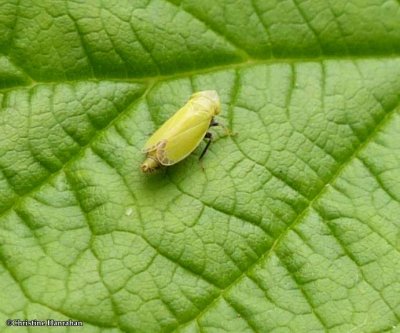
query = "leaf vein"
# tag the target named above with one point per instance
(386, 118)
(214, 29)
(73, 158)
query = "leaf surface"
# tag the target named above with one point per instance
(292, 227)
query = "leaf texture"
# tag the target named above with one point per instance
(292, 227)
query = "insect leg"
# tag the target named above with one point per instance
(209, 137)
(228, 132)
(214, 123)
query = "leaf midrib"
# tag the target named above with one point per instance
(206, 70)
(381, 123)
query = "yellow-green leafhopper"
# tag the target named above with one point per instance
(183, 132)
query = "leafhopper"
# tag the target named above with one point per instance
(183, 132)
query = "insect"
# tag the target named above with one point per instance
(183, 132)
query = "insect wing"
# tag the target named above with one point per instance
(193, 112)
(170, 128)
(177, 147)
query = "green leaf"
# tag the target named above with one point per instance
(293, 226)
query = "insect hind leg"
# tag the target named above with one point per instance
(209, 137)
